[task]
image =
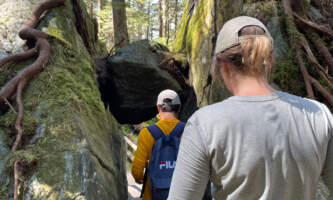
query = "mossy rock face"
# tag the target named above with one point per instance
(72, 142)
(201, 22)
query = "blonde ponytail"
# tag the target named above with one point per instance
(256, 55)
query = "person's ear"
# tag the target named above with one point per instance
(224, 69)
(180, 107)
(226, 73)
(272, 59)
(158, 108)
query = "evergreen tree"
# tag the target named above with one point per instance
(120, 23)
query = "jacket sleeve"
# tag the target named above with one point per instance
(192, 170)
(145, 142)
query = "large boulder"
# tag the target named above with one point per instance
(133, 77)
(73, 144)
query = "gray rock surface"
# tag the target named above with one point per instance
(13, 15)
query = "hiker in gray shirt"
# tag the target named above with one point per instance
(260, 143)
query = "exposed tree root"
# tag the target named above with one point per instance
(19, 118)
(306, 76)
(19, 57)
(322, 90)
(298, 41)
(18, 83)
(316, 64)
(322, 49)
(11, 107)
(315, 26)
(29, 72)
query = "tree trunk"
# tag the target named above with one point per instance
(160, 18)
(91, 9)
(141, 30)
(100, 4)
(176, 14)
(148, 19)
(119, 23)
(166, 20)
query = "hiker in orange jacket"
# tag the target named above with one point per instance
(168, 105)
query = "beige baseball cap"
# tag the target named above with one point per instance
(229, 35)
(168, 96)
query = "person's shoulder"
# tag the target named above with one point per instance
(145, 137)
(209, 113)
(306, 104)
(215, 108)
(144, 132)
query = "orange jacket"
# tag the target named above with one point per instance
(143, 153)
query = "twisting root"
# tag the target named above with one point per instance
(315, 26)
(19, 118)
(10, 105)
(29, 72)
(18, 83)
(30, 33)
(322, 90)
(299, 41)
(19, 134)
(304, 71)
(322, 49)
(314, 61)
(306, 76)
(19, 57)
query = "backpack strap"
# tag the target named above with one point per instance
(178, 130)
(155, 131)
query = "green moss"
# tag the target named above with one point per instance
(28, 156)
(198, 28)
(287, 76)
(262, 10)
(179, 43)
(4, 193)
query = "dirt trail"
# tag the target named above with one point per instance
(134, 189)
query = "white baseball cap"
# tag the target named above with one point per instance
(168, 96)
(229, 35)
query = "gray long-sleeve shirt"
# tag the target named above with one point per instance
(272, 147)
